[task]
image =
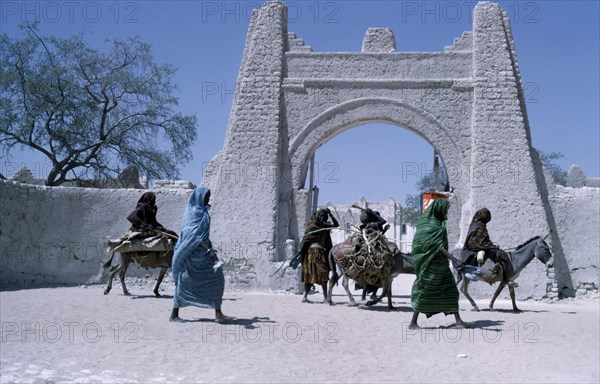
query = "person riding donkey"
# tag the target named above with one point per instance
(147, 242)
(480, 247)
(143, 217)
(371, 220)
(370, 223)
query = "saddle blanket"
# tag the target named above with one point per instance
(135, 241)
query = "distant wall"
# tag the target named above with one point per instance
(577, 216)
(576, 178)
(56, 235)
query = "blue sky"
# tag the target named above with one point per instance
(557, 47)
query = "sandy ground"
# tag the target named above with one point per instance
(77, 334)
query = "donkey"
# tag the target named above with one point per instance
(535, 247)
(402, 265)
(340, 252)
(162, 260)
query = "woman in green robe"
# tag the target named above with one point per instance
(434, 290)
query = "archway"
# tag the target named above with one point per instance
(377, 161)
(348, 115)
(467, 101)
(376, 165)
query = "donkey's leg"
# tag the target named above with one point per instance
(112, 274)
(330, 290)
(386, 291)
(126, 259)
(307, 287)
(324, 286)
(511, 290)
(389, 295)
(378, 299)
(163, 271)
(500, 288)
(374, 293)
(352, 303)
(464, 288)
(366, 289)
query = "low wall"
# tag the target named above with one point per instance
(577, 216)
(56, 235)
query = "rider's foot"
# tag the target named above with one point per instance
(413, 326)
(176, 319)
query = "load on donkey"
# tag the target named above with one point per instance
(147, 242)
(366, 257)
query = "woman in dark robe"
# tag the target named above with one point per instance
(143, 217)
(478, 239)
(198, 277)
(434, 289)
(316, 245)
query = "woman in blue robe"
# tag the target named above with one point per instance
(199, 280)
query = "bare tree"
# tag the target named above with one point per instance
(91, 113)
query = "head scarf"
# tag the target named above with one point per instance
(195, 228)
(483, 216)
(317, 232)
(148, 198)
(144, 215)
(478, 237)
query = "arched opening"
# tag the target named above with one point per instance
(374, 160)
(399, 118)
(347, 115)
(378, 165)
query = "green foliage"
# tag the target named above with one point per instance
(558, 174)
(91, 113)
(411, 212)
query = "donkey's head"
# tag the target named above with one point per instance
(542, 251)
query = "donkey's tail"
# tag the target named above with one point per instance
(107, 264)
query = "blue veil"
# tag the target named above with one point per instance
(195, 228)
